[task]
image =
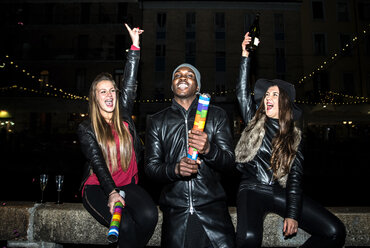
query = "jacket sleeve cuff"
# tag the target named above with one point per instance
(171, 174)
(292, 215)
(212, 152)
(135, 54)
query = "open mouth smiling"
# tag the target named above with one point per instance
(109, 102)
(182, 85)
(269, 106)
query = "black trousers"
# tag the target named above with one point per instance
(255, 201)
(195, 235)
(139, 217)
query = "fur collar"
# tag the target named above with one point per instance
(251, 140)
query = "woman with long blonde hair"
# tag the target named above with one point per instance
(270, 159)
(112, 149)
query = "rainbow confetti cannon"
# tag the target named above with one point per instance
(116, 220)
(200, 120)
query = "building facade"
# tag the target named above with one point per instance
(60, 46)
(336, 37)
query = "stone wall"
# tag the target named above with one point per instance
(48, 225)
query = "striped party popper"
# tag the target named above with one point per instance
(200, 120)
(113, 231)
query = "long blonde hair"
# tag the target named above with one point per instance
(103, 130)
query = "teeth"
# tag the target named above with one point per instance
(269, 106)
(109, 102)
(182, 86)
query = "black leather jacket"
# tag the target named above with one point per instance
(166, 144)
(258, 170)
(86, 135)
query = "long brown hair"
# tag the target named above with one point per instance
(282, 144)
(103, 130)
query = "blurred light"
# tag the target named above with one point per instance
(344, 122)
(5, 114)
(349, 122)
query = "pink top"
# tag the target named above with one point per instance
(120, 177)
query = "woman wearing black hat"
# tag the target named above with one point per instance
(269, 156)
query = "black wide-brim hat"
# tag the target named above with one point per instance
(263, 84)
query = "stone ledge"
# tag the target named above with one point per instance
(48, 224)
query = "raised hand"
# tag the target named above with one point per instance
(246, 41)
(134, 34)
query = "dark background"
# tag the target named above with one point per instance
(336, 168)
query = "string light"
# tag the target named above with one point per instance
(327, 99)
(326, 63)
(48, 86)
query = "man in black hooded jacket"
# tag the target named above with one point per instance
(193, 202)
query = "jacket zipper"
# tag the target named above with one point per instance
(190, 182)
